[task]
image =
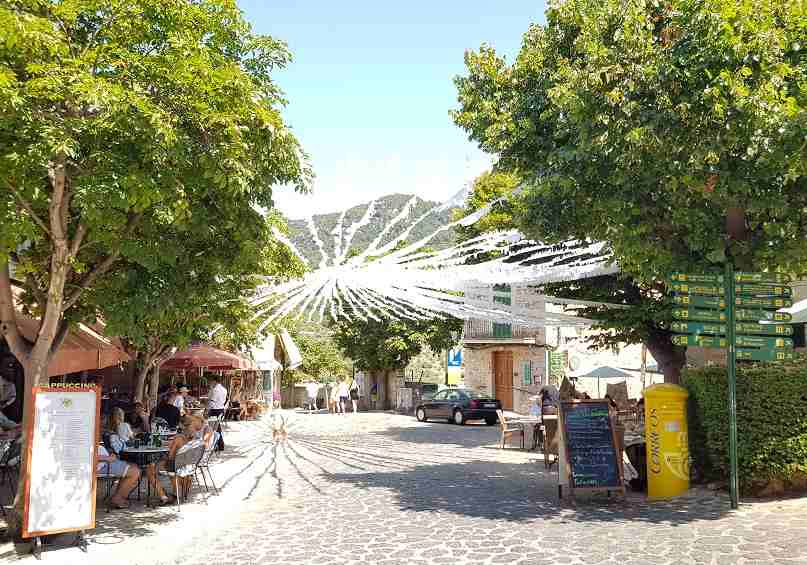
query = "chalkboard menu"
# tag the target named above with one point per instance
(588, 434)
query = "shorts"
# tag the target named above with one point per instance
(343, 399)
(116, 468)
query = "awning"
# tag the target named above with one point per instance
(84, 348)
(605, 372)
(207, 357)
(293, 357)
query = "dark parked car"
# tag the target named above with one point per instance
(459, 405)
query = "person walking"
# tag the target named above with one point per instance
(334, 399)
(354, 395)
(343, 394)
(312, 389)
(217, 404)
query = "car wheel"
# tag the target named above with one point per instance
(421, 415)
(490, 421)
(459, 417)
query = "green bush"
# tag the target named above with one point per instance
(771, 421)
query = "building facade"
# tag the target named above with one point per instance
(504, 360)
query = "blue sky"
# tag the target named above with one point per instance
(370, 88)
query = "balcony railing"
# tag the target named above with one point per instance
(483, 330)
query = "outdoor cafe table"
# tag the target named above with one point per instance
(143, 457)
(530, 422)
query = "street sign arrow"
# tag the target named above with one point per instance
(764, 329)
(700, 341)
(697, 278)
(765, 354)
(700, 289)
(702, 314)
(760, 302)
(702, 301)
(761, 315)
(763, 290)
(764, 342)
(763, 278)
(698, 328)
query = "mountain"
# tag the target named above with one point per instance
(372, 229)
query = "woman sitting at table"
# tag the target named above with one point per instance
(118, 425)
(110, 465)
(191, 428)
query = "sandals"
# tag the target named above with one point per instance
(166, 500)
(118, 505)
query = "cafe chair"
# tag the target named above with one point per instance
(186, 459)
(106, 476)
(509, 430)
(203, 467)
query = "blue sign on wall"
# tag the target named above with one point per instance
(455, 357)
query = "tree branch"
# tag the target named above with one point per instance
(33, 286)
(102, 267)
(78, 239)
(8, 318)
(61, 335)
(28, 208)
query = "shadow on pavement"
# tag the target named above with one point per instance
(520, 492)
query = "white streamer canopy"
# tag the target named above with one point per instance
(417, 283)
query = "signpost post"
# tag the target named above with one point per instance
(711, 305)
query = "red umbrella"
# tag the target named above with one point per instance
(204, 356)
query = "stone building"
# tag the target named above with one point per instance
(505, 360)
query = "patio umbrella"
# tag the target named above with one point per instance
(205, 356)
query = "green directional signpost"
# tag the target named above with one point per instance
(724, 310)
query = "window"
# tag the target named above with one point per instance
(440, 395)
(502, 294)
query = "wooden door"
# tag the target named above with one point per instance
(503, 378)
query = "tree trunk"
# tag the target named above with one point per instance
(670, 358)
(154, 385)
(140, 382)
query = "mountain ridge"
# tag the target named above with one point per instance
(371, 228)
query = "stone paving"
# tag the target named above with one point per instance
(381, 488)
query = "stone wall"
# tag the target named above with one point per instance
(479, 371)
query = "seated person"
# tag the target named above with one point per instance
(139, 419)
(167, 411)
(192, 427)
(109, 464)
(118, 425)
(9, 427)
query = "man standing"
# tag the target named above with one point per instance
(216, 404)
(179, 401)
(312, 389)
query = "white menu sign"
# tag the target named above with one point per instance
(60, 491)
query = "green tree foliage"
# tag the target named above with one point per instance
(649, 125)
(489, 187)
(203, 293)
(323, 361)
(385, 345)
(120, 121)
(771, 416)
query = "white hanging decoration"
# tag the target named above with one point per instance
(416, 283)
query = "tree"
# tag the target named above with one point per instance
(387, 345)
(119, 120)
(205, 291)
(673, 131)
(322, 359)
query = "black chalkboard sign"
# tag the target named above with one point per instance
(591, 453)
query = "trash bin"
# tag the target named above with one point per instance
(666, 440)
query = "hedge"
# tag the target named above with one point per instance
(771, 421)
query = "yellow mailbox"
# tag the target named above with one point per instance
(667, 440)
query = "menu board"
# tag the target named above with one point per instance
(591, 453)
(62, 455)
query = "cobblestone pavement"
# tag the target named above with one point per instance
(378, 488)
